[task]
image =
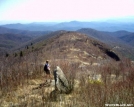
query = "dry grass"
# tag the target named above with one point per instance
(86, 93)
(18, 75)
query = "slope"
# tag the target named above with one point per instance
(128, 38)
(75, 53)
(72, 44)
(11, 38)
(9, 41)
(112, 39)
(106, 37)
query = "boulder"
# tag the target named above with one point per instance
(61, 82)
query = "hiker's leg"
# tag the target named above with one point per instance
(46, 77)
(49, 77)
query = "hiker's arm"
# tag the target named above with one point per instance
(48, 67)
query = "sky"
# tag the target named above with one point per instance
(64, 10)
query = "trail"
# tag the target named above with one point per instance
(32, 92)
(35, 93)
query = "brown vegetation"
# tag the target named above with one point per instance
(97, 79)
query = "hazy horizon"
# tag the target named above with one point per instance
(110, 20)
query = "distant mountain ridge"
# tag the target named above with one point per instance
(128, 38)
(113, 39)
(73, 25)
(106, 37)
(24, 37)
(118, 37)
(4, 30)
(11, 38)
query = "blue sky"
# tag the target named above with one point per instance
(64, 10)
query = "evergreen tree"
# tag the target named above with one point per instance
(15, 55)
(7, 54)
(27, 47)
(21, 54)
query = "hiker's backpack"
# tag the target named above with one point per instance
(45, 67)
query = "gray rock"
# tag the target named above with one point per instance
(61, 83)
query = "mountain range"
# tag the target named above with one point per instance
(129, 38)
(16, 36)
(11, 38)
(112, 38)
(72, 51)
(73, 25)
(93, 62)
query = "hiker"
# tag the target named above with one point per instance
(47, 70)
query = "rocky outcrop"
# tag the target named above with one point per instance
(107, 51)
(61, 82)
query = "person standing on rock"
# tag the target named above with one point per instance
(47, 70)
